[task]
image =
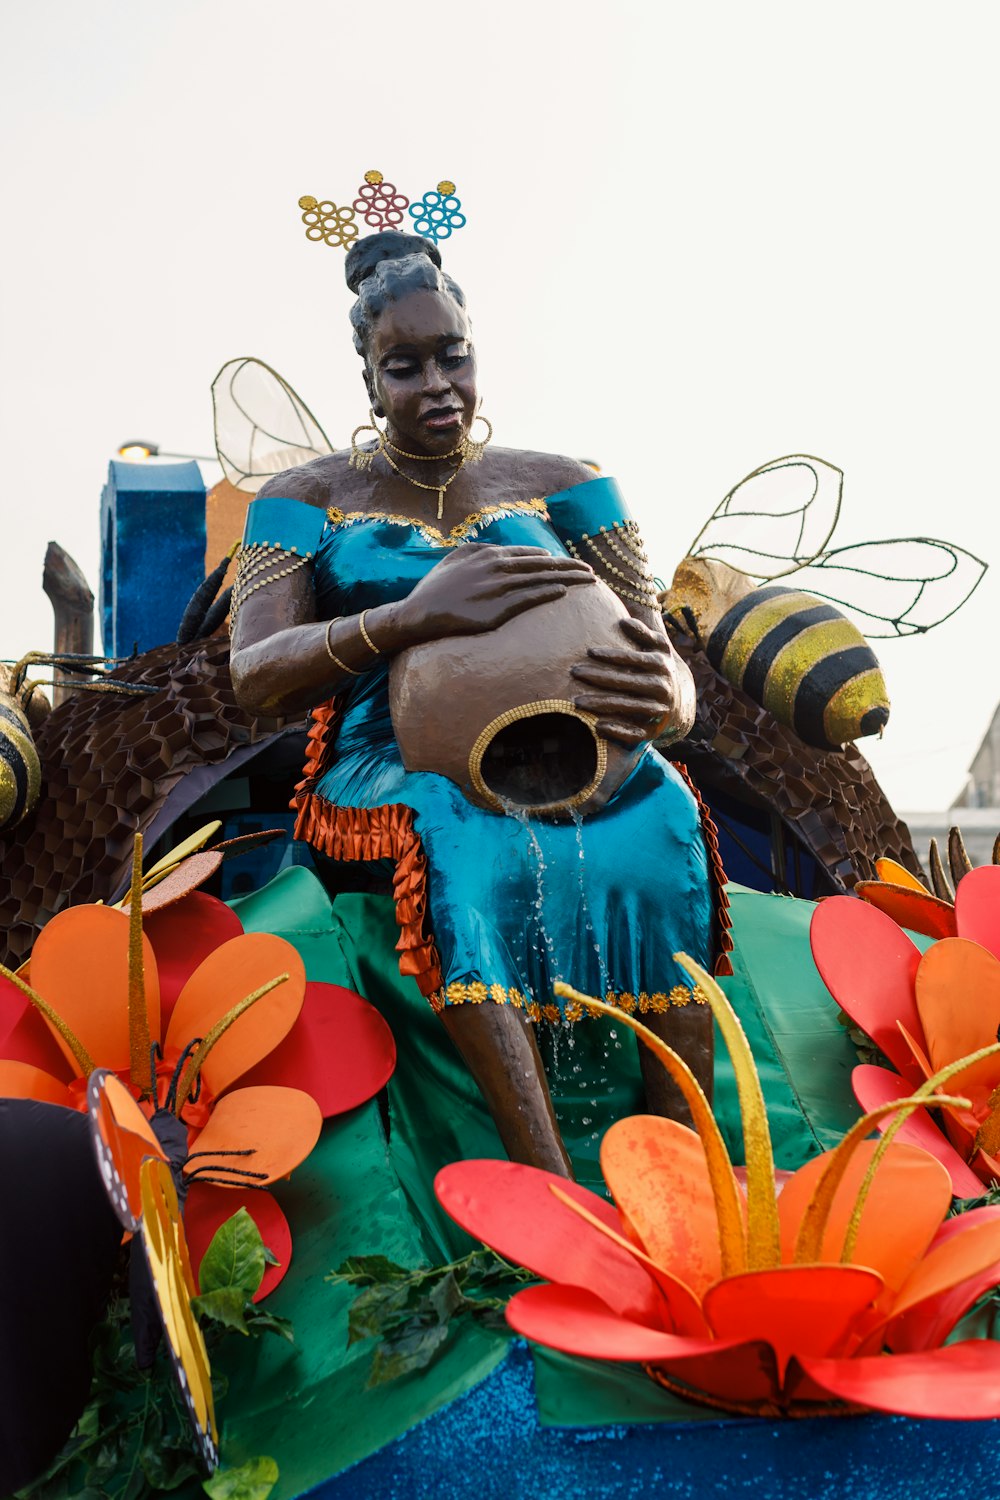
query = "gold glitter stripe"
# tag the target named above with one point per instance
(849, 704)
(456, 535)
(795, 660)
(754, 626)
(476, 992)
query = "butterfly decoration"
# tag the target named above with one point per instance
(141, 1163)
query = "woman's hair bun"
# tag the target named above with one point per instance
(365, 254)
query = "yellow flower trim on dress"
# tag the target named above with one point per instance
(475, 992)
(458, 534)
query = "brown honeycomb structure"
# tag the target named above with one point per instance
(108, 764)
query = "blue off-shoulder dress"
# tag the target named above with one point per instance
(492, 909)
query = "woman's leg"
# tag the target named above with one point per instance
(498, 1046)
(689, 1030)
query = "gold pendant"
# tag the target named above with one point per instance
(440, 505)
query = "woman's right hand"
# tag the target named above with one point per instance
(479, 586)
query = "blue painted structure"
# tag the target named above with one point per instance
(490, 1445)
(152, 552)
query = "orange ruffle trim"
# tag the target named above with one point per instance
(370, 833)
(388, 832)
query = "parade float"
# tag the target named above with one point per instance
(331, 899)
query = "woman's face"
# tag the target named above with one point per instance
(422, 372)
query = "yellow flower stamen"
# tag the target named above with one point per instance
(763, 1228)
(812, 1227)
(728, 1204)
(924, 1095)
(197, 1059)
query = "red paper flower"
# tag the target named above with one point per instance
(925, 1012)
(751, 1302)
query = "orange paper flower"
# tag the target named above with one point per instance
(204, 1020)
(750, 1301)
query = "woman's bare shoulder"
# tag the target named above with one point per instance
(314, 483)
(543, 473)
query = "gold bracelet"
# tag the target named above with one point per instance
(367, 638)
(336, 659)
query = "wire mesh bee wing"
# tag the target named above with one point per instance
(776, 520)
(903, 586)
(262, 426)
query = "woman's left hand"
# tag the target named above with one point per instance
(638, 691)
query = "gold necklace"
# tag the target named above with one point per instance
(419, 484)
(425, 458)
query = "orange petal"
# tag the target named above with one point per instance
(658, 1176)
(800, 1310)
(225, 978)
(124, 1138)
(958, 997)
(961, 1381)
(20, 1080)
(892, 873)
(874, 1087)
(909, 1197)
(278, 1127)
(959, 1257)
(80, 966)
(913, 909)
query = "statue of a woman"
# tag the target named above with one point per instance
(345, 564)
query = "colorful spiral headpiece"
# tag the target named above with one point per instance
(379, 205)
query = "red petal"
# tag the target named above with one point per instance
(340, 1051)
(208, 1207)
(959, 1382)
(578, 1322)
(874, 1086)
(796, 1309)
(977, 907)
(869, 966)
(182, 936)
(929, 1323)
(27, 1039)
(509, 1207)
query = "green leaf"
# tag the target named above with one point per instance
(401, 1356)
(366, 1270)
(446, 1298)
(235, 1257)
(251, 1481)
(375, 1309)
(227, 1305)
(265, 1322)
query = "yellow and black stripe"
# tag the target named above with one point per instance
(20, 771)
(803, 661)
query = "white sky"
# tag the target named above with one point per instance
(700, 237)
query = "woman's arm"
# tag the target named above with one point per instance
(284, 660)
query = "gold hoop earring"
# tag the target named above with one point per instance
(360, 459)
(471, 451)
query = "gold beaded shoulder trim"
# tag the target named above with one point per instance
(472, 524)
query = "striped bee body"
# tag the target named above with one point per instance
(20, 770)
(803, 661)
